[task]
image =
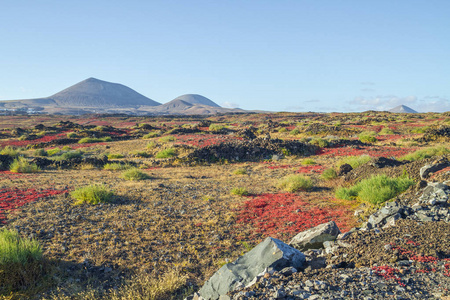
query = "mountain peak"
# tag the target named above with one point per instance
(403, 109)
(93, 92)
(196, 99)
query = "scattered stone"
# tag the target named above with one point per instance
(315, 237)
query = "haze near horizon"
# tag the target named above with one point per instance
(267, 55)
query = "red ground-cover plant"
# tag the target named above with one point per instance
(388, 273)
(371, 151)
(286, 214)
(311, 169)
(11, 199)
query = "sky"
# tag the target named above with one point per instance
(276, 55)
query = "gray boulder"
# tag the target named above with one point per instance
(315, 237)
(271, 253)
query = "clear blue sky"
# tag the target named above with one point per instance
(271, 55)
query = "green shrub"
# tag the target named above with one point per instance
(116, 166)
(329, 174)
(294, 183)
(152, 134)
(69, 155)
(385, 131)
(140, 154)
(319, 142)
(134, 174)
(21, 165)
(94, 140)
(40, 152)
(216, 127)
(66, 148)
(354, 161)
(308, 162)
(239, 191)
(420, 129)
(166, 153)
(282, 129)
(376, 189)
(92, 194)
(8, 150)
(21, 262)
(71, 135)
(367, 137)
(115, 156)
(240, 171)
(53, 151)
(294, 132)
(151, 145)
(425, 153)
(167, 138)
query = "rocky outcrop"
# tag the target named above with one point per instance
(314, 238)
(271, 253)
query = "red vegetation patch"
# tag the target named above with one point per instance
(288, 214)
(372, 151)
(311, 169)
(17, 143)
(203, 140)
(11, 199)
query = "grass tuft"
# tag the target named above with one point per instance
(20, 261)
(134, 174)
(166, 153)
(375, 190)
(239, 191)
(8, 150)
(294, 183)
(329, 174)
(116, 166)
(240, 171)
(92, 194)
(21, 165)
(354, 161)
(425, 153)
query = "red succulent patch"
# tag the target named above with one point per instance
(287, 214)
(311, 169)
(368, 150)
(11, 199)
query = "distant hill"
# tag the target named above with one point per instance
(403, 109)
(196, 99)
(93, 92)
(97, 96)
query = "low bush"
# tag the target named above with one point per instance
(69, 155)
(420, 129)
(166, 153)
(282, 129)
(94, 140)
(92, 194)
(151, 145)
(21, 165)
(368, 137)
(40, 152)
(385, 131)
(116, 166)
(216, 127)
(240, 171)
(329, 174)
(294, 132)
(239, 191)
(152, 134)
(20, 262)
(308, 162)
(141, 154)
(376, 189)
(319, 142)
(54, 151)
(354, 161)
(115, 156)
(425, 153)
(71, 135)
(134, 174)
(8, 150)
(294, 183)
(167, 138)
